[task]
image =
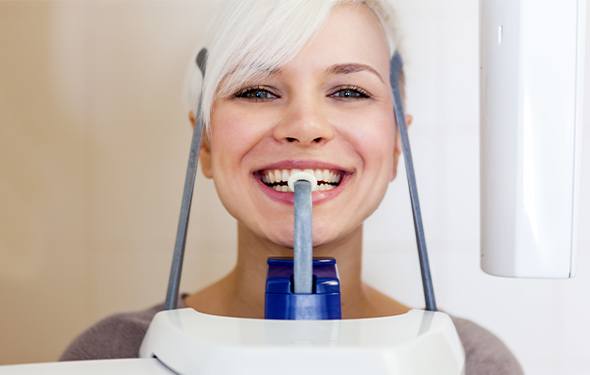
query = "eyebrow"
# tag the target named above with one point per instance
(352, 68)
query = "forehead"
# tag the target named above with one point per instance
(352, 33)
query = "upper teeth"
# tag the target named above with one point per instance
(282, 175)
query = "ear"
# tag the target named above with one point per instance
(398, 146)
(205, 153)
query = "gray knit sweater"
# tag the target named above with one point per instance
(120, 335)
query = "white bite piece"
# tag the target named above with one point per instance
(302, 176)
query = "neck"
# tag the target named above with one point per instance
(251, 268)
(241, 293)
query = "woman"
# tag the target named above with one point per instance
(296, 85)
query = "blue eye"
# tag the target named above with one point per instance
(351, 93)
(255, 93)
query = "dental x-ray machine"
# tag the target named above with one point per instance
(532, 59)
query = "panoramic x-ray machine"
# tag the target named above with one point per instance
(532, 59)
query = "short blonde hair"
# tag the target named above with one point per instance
(250, 38)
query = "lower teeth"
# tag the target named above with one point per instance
(285, 188)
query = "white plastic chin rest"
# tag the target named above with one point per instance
(189, 342)
(415, 343)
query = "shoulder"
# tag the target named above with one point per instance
(116, 336)
(485, 353)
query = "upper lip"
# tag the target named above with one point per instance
(304, 164)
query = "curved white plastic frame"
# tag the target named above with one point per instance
(532, 65)
(417, 343)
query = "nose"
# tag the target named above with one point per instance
(304, 124)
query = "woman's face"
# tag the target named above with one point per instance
(328, 110)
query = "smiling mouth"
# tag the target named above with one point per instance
(277, 179)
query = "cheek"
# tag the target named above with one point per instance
(237, 129)
(232, 136)
(373, 139)
(373, 136)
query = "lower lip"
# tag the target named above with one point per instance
(317, 197)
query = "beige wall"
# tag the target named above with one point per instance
(44, 274)
(93, 149)
(93, 143)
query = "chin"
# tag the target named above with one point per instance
(321, 236)
(324, 236)
(280, 236)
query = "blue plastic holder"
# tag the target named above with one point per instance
(282, 303)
